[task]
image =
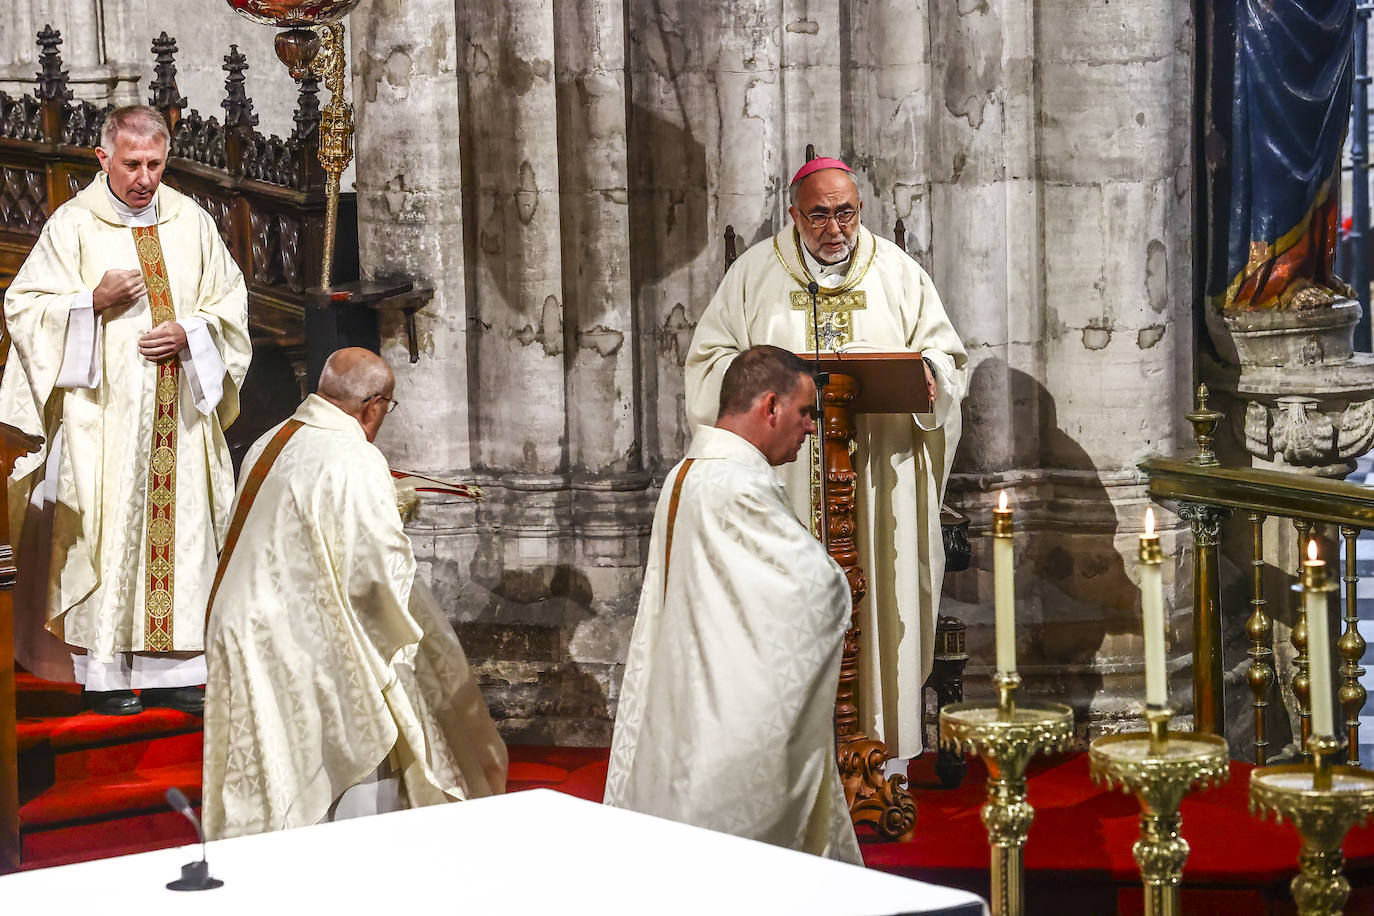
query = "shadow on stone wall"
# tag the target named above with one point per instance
(526, 633)
(1074, 595)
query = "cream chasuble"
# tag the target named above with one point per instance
(726, 712)
(137, 495)
(886, 303)
(325, 655)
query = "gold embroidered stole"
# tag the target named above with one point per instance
(162, 465)
(834, 327)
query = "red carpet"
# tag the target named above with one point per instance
(93, 786)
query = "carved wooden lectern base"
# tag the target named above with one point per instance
(883, 803)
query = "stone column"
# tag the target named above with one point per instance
(407, 113)
(99, 50)
(885, 85)
(518, 292)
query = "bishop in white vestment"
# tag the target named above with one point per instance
(871, 296)
(337, 685)
(726, 712)
(129, 333)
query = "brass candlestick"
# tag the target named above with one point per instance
(1323, 801)
(1006, 736)
(1159, 768)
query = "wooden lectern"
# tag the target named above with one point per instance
(862, 383)
(13, 445)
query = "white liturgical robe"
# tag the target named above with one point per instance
(726, 712)
(82, 507)
(325, 656)
(902, 461)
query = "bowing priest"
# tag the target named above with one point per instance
(870, 296)
(337, 686)
(129, 332)
(726, 712)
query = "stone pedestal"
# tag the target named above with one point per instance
(1297, 395)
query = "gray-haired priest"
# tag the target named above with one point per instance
(870, 296)
(129, 332)
(726, 713)
(337, 686)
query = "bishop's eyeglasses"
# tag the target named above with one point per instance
(842, 217)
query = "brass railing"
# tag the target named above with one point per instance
(1206, 495)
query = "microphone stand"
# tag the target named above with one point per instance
(822, 379)
(195, 876)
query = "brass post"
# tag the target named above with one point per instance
(1302, 685)
(1260, 629)
(1350, 647)
(1208, 699)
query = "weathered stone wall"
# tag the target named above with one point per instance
(562, 171)
(1038, 154)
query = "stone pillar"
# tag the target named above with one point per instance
(885, 84)
(520, 416)
(603, 416)
(407, 113)
(98, 47)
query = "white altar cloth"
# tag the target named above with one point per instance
(538, 851)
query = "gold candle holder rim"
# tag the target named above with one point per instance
(1271, 791)
(1129, 751)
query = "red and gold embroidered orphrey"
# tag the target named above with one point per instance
(162, 466)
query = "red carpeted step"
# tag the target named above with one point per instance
(107, 797)
(108, 759)
(88, 728)
(83, 842)
(37, 698)
(577, 771)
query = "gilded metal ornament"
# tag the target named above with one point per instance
(1006, 736)
(1160, 768)
(1323, 802)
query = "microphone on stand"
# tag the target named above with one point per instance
(195, 876)
(822, 379)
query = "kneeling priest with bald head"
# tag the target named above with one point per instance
(726, 713)
(336, 685)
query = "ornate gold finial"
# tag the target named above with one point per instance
(1204, 421)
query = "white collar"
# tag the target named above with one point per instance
(144, 216)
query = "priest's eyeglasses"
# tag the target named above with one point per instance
(391, 403)
(842, 217)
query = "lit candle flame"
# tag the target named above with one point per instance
(1312, 550)
(1002, 502)
(1150, 521)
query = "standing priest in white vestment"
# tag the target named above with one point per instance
(726, 714)
(871, 296)
(129, 332)
(337, 686)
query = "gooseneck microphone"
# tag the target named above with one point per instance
(195, 876)
(822, 379)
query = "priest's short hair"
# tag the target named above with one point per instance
(136, 120)
(757, 371)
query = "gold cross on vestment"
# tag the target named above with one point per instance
(834, 313)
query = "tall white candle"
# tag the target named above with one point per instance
(1004, 586)
(1152, 613)
(1318, 642)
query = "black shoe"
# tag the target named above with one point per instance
(185, 699)
(113, 702)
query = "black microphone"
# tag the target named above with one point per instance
(822, 379)
(195, 876)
